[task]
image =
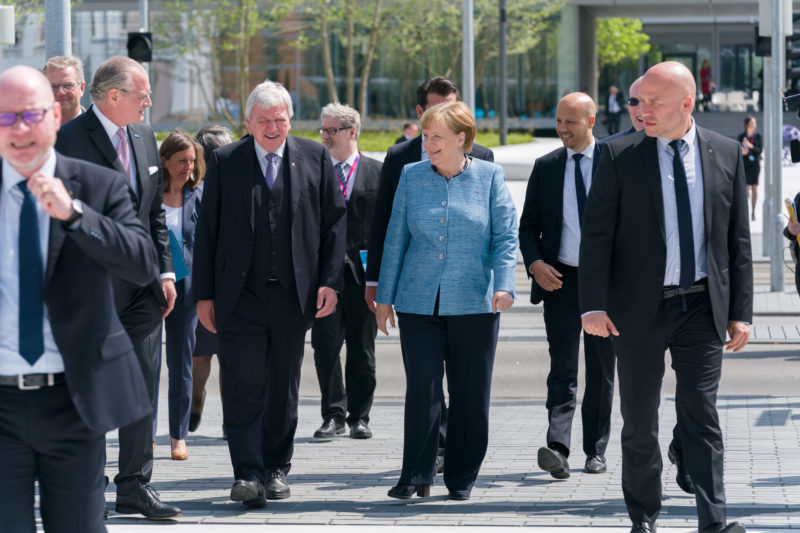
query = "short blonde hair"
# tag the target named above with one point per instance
(456, 116)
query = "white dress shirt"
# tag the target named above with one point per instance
(261, 154)
(348, 165)
(570, 225)
(613, 106)
(11, 362)
(111, 131)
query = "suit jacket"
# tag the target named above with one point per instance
(103, 375)
(542, 215)
(623, 244)
(617, 135)
(225, 228)
(398, 156)
(621, 102)
(190, 212)
(359, 212)
(84, 138)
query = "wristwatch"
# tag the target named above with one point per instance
(77, 213)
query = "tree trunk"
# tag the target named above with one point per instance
(327, 63)
(350, 68)
(373, 45)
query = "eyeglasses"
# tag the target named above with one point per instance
(333, 131)
(69, 87)
(633, 101)
(29, 116)
(141, 98)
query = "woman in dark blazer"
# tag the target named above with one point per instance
(790, 232)
(184, 166)
(448, 266)
(751, 152)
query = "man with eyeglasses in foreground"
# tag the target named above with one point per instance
(110, 134)
(68, 372)
(65, 75)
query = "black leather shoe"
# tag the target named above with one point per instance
(554, 462)
(733, 527)
(276, 486)
(145, 500)
(194, 421)
(329, 429)
(249, 492)
(595, 464)
(402, 491)
(438, 466)
(683, 479)
(459, 495)
(360, 430)
(643, 527)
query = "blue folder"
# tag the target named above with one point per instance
(176, 249)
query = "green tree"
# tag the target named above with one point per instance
(620, 39)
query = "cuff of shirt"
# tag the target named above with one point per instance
(591, 313)
(168, 275)
(372, 284)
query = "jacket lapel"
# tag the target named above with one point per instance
(100, 138)
(57, 232)
(358, 185)
(250, 167)
(648, 148)
(709, 170)
(140, 156)
(294, 172)
(558, 192)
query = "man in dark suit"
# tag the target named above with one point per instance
(615, 105)
(109, 134)
(550, 237)
(431, 92)
(65, 75)
(352, 322)
(68, 372)
(268, 254)
(410, 130)
(665, 263)
(633, 110)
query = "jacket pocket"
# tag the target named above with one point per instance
(114, 345)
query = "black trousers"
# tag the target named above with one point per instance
(464, 345)
(261, 351)
(612, 123)
(562, 320)
(43, 438)
(696, 352)
(142, 321)
(355, 324)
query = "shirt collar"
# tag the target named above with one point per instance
(261, 153)
(108, 125)
(350, 160)
(689, 138)
(587, 152)
(11, 177)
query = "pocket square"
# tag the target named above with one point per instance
(152, 170)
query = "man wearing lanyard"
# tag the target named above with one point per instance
(352, 322)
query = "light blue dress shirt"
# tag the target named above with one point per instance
(570, 246)
(690, 155)
(11, 362)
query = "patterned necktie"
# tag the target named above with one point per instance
(271, 171)
(31, 303)
(685, 232)
(124, 154)
(580, 187)
(341, 175)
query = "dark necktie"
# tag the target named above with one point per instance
(580, 188)
(271, 172)
(31, 304)
(341, 176)
(684, 217)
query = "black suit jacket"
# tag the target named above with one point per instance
(398, 156)
(190, 212)
(359, 212)
(542, 216)
(224, 234)
(103, 375)
(621, 102)
(623, 244)
(84, 138)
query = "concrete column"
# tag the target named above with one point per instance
(587, 52)
(567, 53)
(57, 28)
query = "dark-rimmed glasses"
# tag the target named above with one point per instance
(29, 116)
(633, 101)
(333, 131)
(69, 87)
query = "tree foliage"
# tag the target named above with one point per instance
(619, 39)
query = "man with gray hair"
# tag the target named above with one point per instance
(65, 75)
(352, 321)
(110, 134)
(268, 253)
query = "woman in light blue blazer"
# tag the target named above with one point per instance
(448, 267)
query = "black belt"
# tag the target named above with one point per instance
(32, 381)
(671, 291)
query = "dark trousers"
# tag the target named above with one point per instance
(696, 352)
(142, 321)
(261, 352)
(355, 324)
(43, 438)
(180, 326)
(562, 320)
(612, 123)
(465, 346)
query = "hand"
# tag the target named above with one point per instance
(546, 276)
(51, 193)
(168, 286)
(384, 312)
(501, 301)
(598, 324)
(370, 292)
(740, 333)
(794, 228)
(326, 301)
(206, 315)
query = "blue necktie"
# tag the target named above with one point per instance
(580, 188)
(271, 172)
(684, 217)
(31, 280)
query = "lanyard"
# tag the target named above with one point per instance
(349, 175)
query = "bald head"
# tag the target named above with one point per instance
(575, 117)
(579, 101)
(633, 110)
(666, 97)
(27, 80)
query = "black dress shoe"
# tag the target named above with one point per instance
(401, 491)
(682, 478)
(249, 492)
(554, 462)
(643, 527)
(459, 495)
(733, 527)
(360, 430)
(276, 486)
(329, 429)
(438, 466)
(194, 421)
(145, 500)
(595, 464)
